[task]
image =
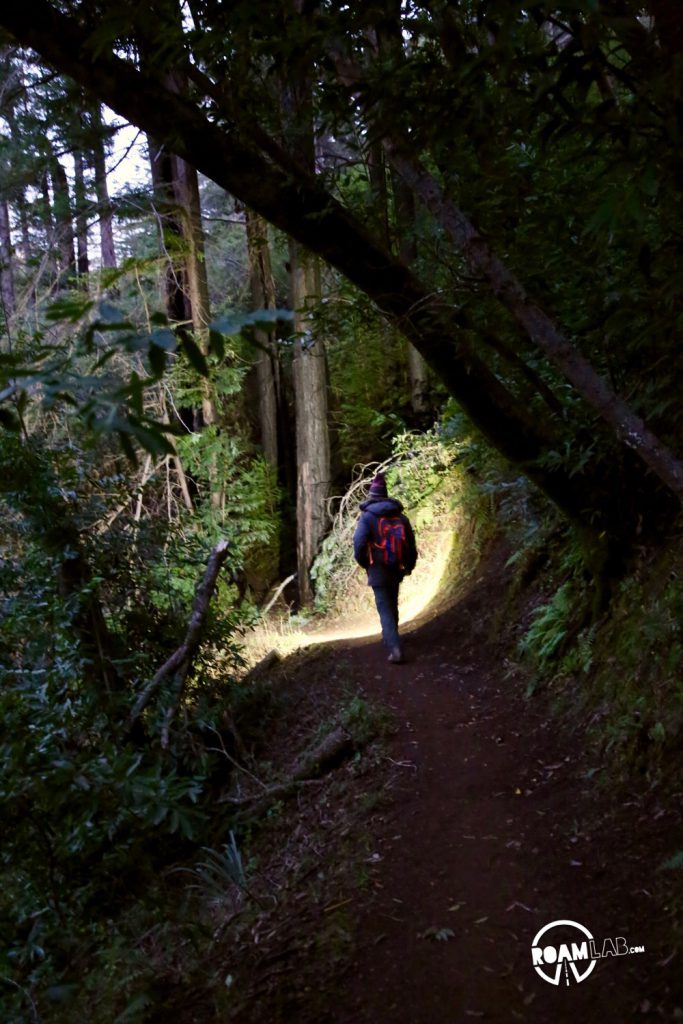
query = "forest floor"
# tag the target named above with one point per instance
(480, 819)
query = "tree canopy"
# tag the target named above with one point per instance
(541, 144)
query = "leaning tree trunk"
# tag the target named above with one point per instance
(267, 361)
(6, 264)
(596, 390)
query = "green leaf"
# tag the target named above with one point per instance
(164, 338)
(216, 344)
(231, 325)
(195, 356)
(151, 440)
(128, 448)
(157, 360)
(71, 308)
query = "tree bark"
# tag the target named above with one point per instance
(387, 31)
(312, 423)
(267, 360)
(186, 285)
(6, 264)
(176, 293)
(64, 223)
(186, 190)
(309, 366)
(405, 214)
(51, 262)
(81, 219)
(106, 218)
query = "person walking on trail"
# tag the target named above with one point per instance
(384, 545)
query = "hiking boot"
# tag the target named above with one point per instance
(396, 656)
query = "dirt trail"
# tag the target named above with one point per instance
(493, 832)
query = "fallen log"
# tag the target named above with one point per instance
(261, 667)
(331, 751)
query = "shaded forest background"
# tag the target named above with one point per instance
(445, 236)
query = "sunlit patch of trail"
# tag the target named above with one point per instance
(417, 592)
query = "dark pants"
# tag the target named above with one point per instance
(386, 599)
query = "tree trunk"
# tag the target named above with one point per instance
(50, 263)
(6, 264)
(106, 219)
(176, 295)
(80, 199)
(312, 432)
(64, 223)
(267, 360)
(309, 368)
(186, 188)
(404, 213)
(389, 43)
(186, 286)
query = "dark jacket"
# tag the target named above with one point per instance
(367, 532)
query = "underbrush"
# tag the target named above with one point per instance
(618, 670)
(133, 879)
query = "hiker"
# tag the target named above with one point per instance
(384, 545)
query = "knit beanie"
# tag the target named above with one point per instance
(378, 487)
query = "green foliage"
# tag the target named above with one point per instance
(364, 721)
(637, 666)
(219, 870)
(550, 625)
(89, 806)
(369, 396)
(672, 863)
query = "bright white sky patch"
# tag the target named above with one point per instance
(127, 164)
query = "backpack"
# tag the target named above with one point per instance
(392, 536)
